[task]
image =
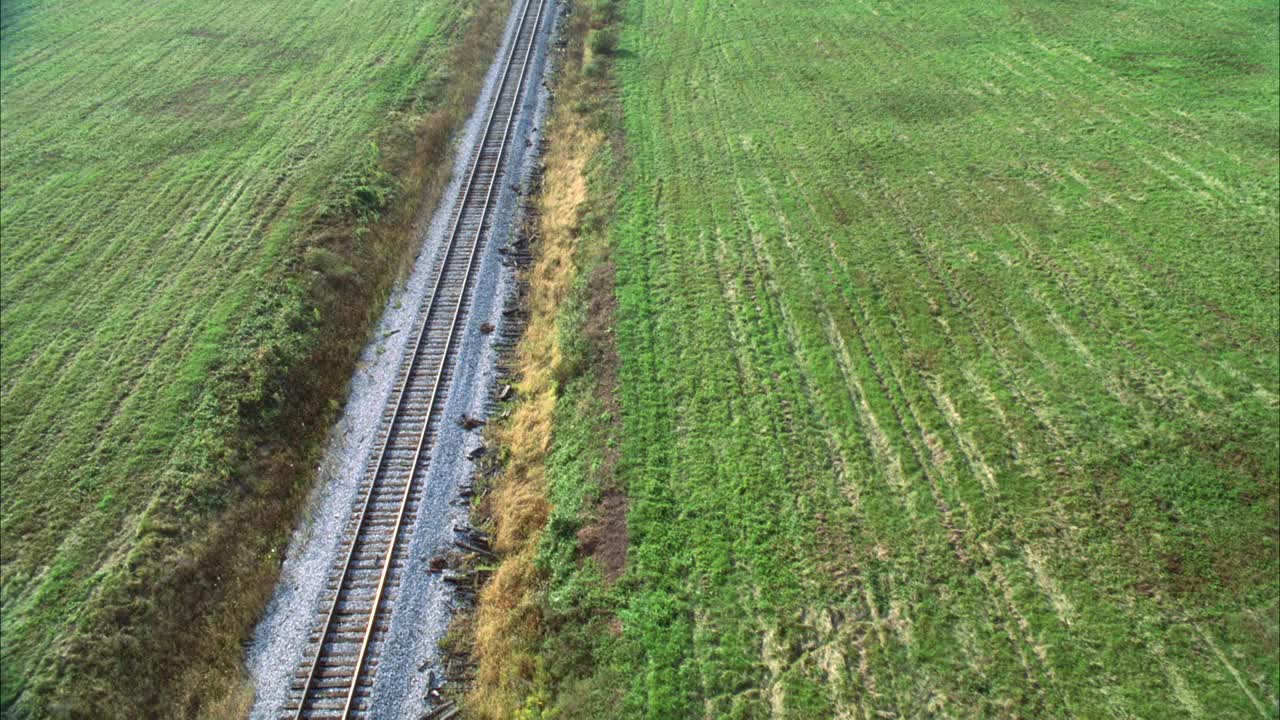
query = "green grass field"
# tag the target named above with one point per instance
(170, 170)
(949, 367)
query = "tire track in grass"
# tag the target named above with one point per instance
(661, 255)
(956, 536)
(1036, 565)
(97, 340)
(892, 461)
(783, 427)
(919, 456)
(959, 300)
(947, 521)
(226, 208)
(149, 334)
(970, 458)
(1171, 671)
(1049, 586)
(850, 490)
(313, 99)
(704, 145)
(919, 451)
(193, 331)
(1149, 371)
(1182, 692)
(978, 468)
(1079, 295)
(823, 426)
(1119, 92)
(203, 62)
(1006, 321)
(785, 322)
(925, 444)
(1177, 682)
(1235, 674)
(1216, 197)
(1123, 265)
(835, 456)
(1124, 229)
(1112, 384)
(123, 276)
(1087, 104)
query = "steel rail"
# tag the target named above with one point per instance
(457, 311)
(403, 383)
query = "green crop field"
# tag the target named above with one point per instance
(949, 367)
(165, 166)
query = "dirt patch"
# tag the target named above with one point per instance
(602, 306)
(923, 105)
(605, 540)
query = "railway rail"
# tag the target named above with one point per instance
(336, 676)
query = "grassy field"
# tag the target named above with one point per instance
(949, 369)
(195, 210)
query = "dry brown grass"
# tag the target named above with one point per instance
(527, 435)
(507, 613)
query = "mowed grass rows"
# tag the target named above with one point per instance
(949, 360)
(163, 163)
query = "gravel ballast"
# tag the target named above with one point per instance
(425, 603)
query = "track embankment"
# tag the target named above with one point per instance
(354, 627)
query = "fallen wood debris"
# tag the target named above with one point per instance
(438, 711)
(473, 548)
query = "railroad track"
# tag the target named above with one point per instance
(335, 679)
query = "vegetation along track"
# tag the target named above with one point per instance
(336, 678)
